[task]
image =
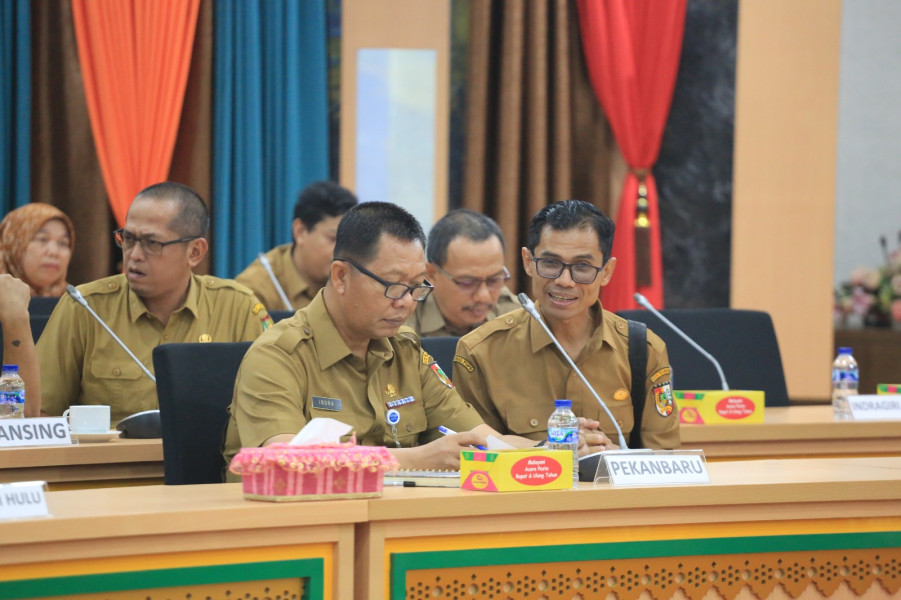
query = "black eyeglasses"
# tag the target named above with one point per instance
(127, 240)
(393, 289)
(471, 284)
(551, 268)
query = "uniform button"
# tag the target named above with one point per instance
(620, 325)
(409, 427)
(165, 336)
(111, 285)
(509, 320)
(534, 422)
(619, 422)
(307, 331)
(117, 372)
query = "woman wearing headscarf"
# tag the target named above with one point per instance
(36, 242)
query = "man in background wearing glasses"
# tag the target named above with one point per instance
(466, 265)
(512, 372)
(156, 300)
(347, 356)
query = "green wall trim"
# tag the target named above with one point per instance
(309, 568)
(449, 559)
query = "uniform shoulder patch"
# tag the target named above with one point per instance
(464, 363)
(427, 358)
(663, 399)
(441, 376)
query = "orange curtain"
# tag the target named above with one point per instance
(135, 56)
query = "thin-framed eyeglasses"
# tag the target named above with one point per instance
(127, 240)
(394, 289)
(471, 284)
(551, 268)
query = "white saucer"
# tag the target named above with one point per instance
(88, 438)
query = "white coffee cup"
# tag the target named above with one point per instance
(88, 419)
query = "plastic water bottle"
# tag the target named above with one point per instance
(845, 376)
(12, 393)
(563, 433)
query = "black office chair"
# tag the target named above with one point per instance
(194, 384)
(442, 349)
(278, 315)
(743, 341)
(42, 305)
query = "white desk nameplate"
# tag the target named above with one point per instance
(654, 467)
(24, 500)
(41, 431)
(872, 407)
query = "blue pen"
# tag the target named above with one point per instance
(446, 431)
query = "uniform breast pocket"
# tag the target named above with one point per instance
(528, 418)
(412, 424)
(115, 383)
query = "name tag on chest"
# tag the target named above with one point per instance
(332, 404)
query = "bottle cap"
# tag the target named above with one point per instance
(13, 368)
(844, 350)
(563, 403)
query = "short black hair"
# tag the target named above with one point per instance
(193, 217)
(320, 200)
(572, 214)
(460, 223)
(361, 229)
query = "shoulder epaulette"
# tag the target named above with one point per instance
(217, 283)
(107, 285)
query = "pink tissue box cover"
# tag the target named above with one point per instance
(282, 472)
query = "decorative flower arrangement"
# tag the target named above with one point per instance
(872, 297)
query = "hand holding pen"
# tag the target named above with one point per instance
(444, 430)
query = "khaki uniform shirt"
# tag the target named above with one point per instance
(428, 321)
(295, 287)
(512, 372)
(302, 369)
(82, 364)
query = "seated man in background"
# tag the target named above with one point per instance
(157, 300)
(18, 344)
(347, 356)
(300, 269)
(466, 266)
(512, 372)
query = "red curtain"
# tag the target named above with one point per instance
(135, 56)
(632, 51)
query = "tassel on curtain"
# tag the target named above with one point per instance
(632, 51)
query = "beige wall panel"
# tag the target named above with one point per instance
(784, 180)
(414, 24)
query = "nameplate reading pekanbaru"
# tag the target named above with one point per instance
(43, 431)
(664, 468)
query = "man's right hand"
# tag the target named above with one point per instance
(441, 454)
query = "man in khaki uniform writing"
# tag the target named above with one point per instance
(157, 300)
(301, 268)
(347, 356)
(466, 266)
(512, 372)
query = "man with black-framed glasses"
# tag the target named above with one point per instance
(347, 356)
(466, 265)
(512, 372)
(156, 300)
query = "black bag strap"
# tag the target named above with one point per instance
(638, 364)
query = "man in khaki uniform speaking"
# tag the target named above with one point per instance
(347, 356)
(512, 372)
(157, 300)
(466, 266)
(296, 272)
